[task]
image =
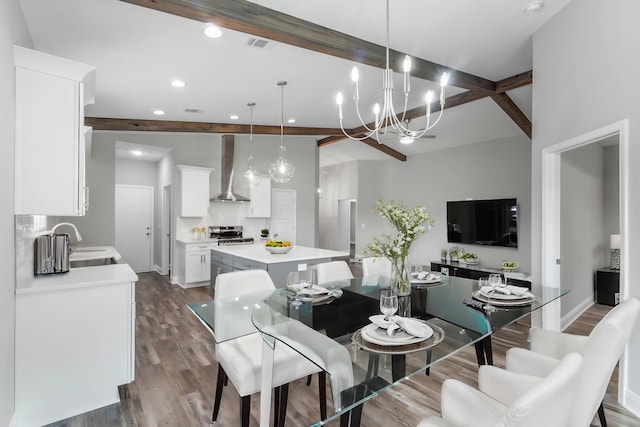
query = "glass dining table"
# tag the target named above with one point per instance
(334, 332)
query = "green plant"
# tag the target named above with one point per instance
(264, 232)
(409, 226)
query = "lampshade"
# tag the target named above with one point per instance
(614, 241)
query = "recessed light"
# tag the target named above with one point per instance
(136, 152)
(234, 117)
(178, 83)
(212, 31)
(158, 112)
(406, 140)
(291, 121)
(534, 7)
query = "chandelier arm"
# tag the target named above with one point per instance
(362, 122)
(353, 137)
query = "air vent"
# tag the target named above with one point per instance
(259, 43)
(193, 110)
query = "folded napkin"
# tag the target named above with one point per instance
(425, 275)
(412, 326)
(507, 290)
(313, 290)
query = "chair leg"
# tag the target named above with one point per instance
(282, 410)
(603, 420)
(322, 393)
(428, 370)
(245, 409)
(308, 379)
(222, 378)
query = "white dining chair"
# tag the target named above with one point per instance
(240, 359)
(511, 399)
(601, 350)
(333, 271)
(376, 266)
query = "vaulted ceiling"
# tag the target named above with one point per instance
(138, 46)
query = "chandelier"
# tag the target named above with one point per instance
(251, 175)
(387, 117)
(281, 171)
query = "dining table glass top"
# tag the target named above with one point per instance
(329, 332)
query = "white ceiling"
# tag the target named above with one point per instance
(138, 51)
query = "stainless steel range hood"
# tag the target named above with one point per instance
(226, 172)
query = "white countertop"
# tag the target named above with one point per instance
(257, 252)
(192, 241)
(80, 277)
(88, 253)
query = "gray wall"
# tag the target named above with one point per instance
(581, 219)
(12, 30)
(585, 78)
(136, 172)
(495, 169)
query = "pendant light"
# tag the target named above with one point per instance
(281, 171)
(251, 175)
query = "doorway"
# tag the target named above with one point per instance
(134, 225)
(347, 227)
(552, 212)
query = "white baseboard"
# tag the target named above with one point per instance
(173, 280)
(192, 285)
(158, 269)
(631, 402)
(570, 317)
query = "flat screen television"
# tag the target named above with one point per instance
(483, 222)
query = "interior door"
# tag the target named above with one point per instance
(134, 221)
(283, 215)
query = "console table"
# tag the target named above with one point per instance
(607, 286)
(475, 272)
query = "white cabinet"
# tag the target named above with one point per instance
(260, 195)
(75, 345)
(197, 263)
(194, 191)
(51, 93)
(193, 263)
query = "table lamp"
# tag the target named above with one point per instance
(614, 245)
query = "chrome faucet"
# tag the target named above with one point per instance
(78, 236)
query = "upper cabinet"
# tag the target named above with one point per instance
(260, 195)
(194, 190)
(51, 93)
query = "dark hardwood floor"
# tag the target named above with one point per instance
(176, 372)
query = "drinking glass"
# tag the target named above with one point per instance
(388, 303)
(293, 280)
(494, 281)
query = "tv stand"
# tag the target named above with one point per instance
(458, 269)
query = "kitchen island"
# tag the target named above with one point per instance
(255, 256)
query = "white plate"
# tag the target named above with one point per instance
(502, 302)
(506, 297)
(433, 278)
(379, 336)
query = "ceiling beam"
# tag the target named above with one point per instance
(514, 82)
(134, 125)
(251, 18)
(506, 103)
(385, 149)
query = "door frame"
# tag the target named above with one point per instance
(551, 204)
(165, 229)
(152, 219)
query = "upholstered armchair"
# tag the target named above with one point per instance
(600, 350)
(510, 399)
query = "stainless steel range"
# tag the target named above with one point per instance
(229, 235)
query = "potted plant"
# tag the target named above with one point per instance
(264, 232)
